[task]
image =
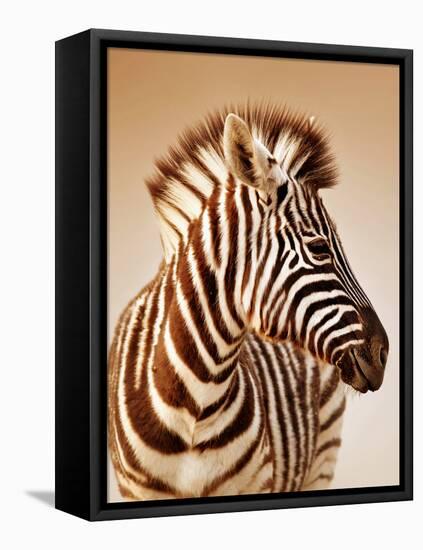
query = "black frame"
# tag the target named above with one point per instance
(81, 273)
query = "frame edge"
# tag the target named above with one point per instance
(72, 390)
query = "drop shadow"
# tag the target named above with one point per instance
(46, 497)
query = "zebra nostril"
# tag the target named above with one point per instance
(383, 356)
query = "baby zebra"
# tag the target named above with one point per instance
(227, 372)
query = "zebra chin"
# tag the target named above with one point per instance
(363, 366)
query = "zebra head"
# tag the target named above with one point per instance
(297, 283)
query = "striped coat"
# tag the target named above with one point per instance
(276, 427)
(225, 371)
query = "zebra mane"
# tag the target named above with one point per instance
(185, 177)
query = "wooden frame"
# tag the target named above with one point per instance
(81, 274)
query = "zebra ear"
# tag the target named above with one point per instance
(240, 152)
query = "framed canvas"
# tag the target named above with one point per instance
(233, 274)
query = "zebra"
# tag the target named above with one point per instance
(227, 371)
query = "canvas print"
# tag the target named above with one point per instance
(253, 264)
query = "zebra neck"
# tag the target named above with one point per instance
(197, 350)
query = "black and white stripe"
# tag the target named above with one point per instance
(223, 372)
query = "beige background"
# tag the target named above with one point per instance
(154, 95)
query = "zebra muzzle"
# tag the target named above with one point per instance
(351, 372)
(368, 372)
(363, 366)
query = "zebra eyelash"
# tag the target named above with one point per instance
(319, 248)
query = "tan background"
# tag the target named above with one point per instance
(154, 95)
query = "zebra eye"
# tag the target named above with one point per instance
(320, 249)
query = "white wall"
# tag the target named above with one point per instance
(27, 259)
